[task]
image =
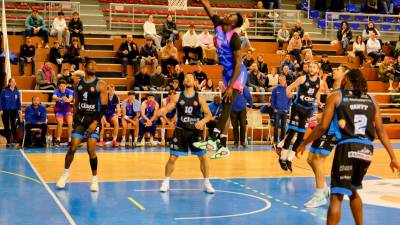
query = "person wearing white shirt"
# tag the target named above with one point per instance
(190, 44)
(149, 29)
(359, 49)
(374, 48)
(273, 78)
(60, 29)
(206, 42)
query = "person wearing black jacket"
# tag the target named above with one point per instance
(27, 55)
(129, 53)
(75, 26)
(55, 56)
(326, 68)
(169, 30)
(262, 66)
(344, 35)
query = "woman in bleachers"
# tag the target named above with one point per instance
(359, 49)
(283, 36)
(344, 35)
(294, 47)
(169, 30)
(374, 49)
(306, 44)
(368, 30)
(73, 55)
(243, 35)
(149, 29)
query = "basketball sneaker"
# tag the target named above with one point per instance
(283, 164)
(222, 152)
(316, 201)
(208, 188)
(209, 145)
(94, 186)
(122, 143)
(164, 186)
(289, 165)
(115, 144)
(101, 143)
(62, 181)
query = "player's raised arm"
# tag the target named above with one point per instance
(207, 7)
(294, 85)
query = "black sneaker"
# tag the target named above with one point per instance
(57, 144)
(283, 165)
(289, 165)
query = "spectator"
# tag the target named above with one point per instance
(396, 7)
(60, 29)
(169, 56)
(344, 35)
(288, 74)
(63, 110)
(272, 78)
(388, 6)
(248, 59)
(280, 103)
(131, 109)
(46, 78)
(253, 82)
(239, 116)
(397, 48)
(243, 35)
(283, 36)
(260, 14)
(157, 80)
(386, 72)
(27, 55)
(169, 30)
(262, 66)
(190, 44)
(359, 49)
(56, 56)
(220, 86)
(128, 53)
(294, 47)
(148, 52)
(306, 44)
(308, 57)
(173, 85)
(178, 74)
(374, 49)
(142, 80)
(216, 110)
(73, 55)
(148, 119)
(297, 29)
(206, 42)
(304, 71)
(75, 27)
(66, 76)
(111, 117)
(326, 68)
(368, 30)
(372, 6)
(396, 68)
(35, 26)
(170, 118)
(209, 86)
(35, 117)
(287, 62)
(200, 75)
(150, 31)
(10, 108)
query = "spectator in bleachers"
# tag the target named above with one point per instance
(248, 59)
(239, 116)
(273, 78)
(56, 57)
(243, 34)
(372, 6)
(283, 36)
(149, 29)
(67, 77)
(396, 7)
(75, 27)
(10, 108)
(297, 29)
(216, 110)
(142, 80)
(169, 30)
(148, 120)
(157, 80)
(288, 74)
(295, 45)
(262, 16)
(368, 30)
(209, 85)
(131, 109)
(326, 69)
(60, 29)
(206, 42)
(148, 52)
(169, 118)
(111, 117)
(63, 97)
(35, 117)
(200, 76)
(344, 35)
(35, 26)
(396, 49)
(308, 57)
(396, 68)
(253, 81)
(262, 66)
(128, 53)
(190, 44)
(73, 55)
(287, 62)
(169, 56)
(280, 103)
(304, 71)
(46, 78)
(273, 4)
(374, 49)
(173, 84)
(359, 49)
(178, 74)
(306, 44)
(386, 72)
(387, 6)
(27, 55)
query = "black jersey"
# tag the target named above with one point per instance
(355, 116)
(188, 111)
(307, 91)
(88, 96)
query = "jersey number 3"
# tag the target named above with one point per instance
(360, 124)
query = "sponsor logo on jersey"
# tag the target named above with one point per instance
(182, 102)
(92, 89)
(86, 106)
(189, 120)
(307, 84)
(80, 87)
(195, 103)
(342, 123)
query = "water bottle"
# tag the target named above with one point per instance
(248, 140)
(130, 140)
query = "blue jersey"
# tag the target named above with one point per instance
(59, 94)
(173, 112)
(149, 111)
(112, 105)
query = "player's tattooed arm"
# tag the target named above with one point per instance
(207, 7)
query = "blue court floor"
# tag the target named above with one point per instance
(264, 201)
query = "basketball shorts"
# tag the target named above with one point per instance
(323, 145)
(298, 118)
(350, 164)
(183, 140)
(82, 123)
(109, 117)
(62, 112)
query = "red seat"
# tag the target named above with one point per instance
(104, 1)
(115, 20)
(138, 11)
(22, 7)
(191, 14)
(157, 22)
(163, 12)
(66, 9)
(125, 20)
(11, 16)
(10, 6)
(67, 18)
(38, 7)
(105, 9)
(22, 17)
(138, 21)
(122, 11)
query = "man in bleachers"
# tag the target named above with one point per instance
(262, 66)
(27, 55)
(254, 81)
(148, 52)
(287, 62)
(248, 59)
(129, 54)
(149, 29)
(169, 30)
(288, 74)
(142, 80)
(35, 26)
(200, 76)
(75, 27)
(56, 57)
(386, 72)
(60, 29)
(374, 49)
(190, 43)
(206, 42)
(131, 109)
(169, 56)
(178, 74)
(157, 80)
(63, 110)
(35, 117)
(297, 28)
(67, 77)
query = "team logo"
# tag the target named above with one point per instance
(296, 117)
(182, 102)
(92, 89)
(307, 84)
(195, 103)
(80, 87)
(342, 123)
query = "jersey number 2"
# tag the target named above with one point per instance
(360, 124)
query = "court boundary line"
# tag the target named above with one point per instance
(51, 193)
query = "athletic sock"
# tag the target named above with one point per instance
(223, 139)
(166, 179)
(135, 139)
(319, 192)
(94, 178)
(206, 180)
(66, 172)
(162, 133)
(123, 139)
(114, 138)
(291, 155)
(69, 139)
(284, 154)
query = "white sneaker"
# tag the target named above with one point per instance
(209, 188)
(164, 186)
(187, 62)
(140, 144)
(280, 144)
(94, 186)
(122, 143)
(316, 201)
(62, 181)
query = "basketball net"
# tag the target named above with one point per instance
(174, 5)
